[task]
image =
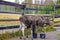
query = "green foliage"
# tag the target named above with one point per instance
(16, 34)
(58, 1)
(27, 31)
(10, 35)
(46, 29)
(57, 11)
(58, 34)
(45, 9)
(50, 29)
(39, 29)
(5, 36)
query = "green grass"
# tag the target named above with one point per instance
(9, 35)
(58, 1)
(47, 29)
(58, 34)
(57, 11)
(50, 29)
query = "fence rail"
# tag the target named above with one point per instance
(9, 27)
(9, 19)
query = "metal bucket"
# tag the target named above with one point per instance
(42, 35)
(34, 35)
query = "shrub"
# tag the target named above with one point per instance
(50, 29)
(39, 29)
(27, 32)
(5, 36)
(46, 29)
(16, 34)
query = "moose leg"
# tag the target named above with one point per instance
(34, 35)
(20, 31)
(22, 28)
(33, 28)
(31, 32)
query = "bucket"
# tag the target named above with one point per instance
(34, 35)
(42, 35)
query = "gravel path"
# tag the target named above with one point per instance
(49, 36)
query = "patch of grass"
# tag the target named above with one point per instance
(10, 35)
(39, 29)
(50, 29)
(47, 29)
(58, 34)
(14, 34)
(27, 31)
(58, 1)
(5, 36)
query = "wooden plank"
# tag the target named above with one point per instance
(47, 15)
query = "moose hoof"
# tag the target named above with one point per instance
(20, 37)
(26, 36)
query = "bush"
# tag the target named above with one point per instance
(39, 29)
(16, 34)
(10, 35)
(58, 1)
(50, 29)
(27, 32)
(5, 36)
(46, 29)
